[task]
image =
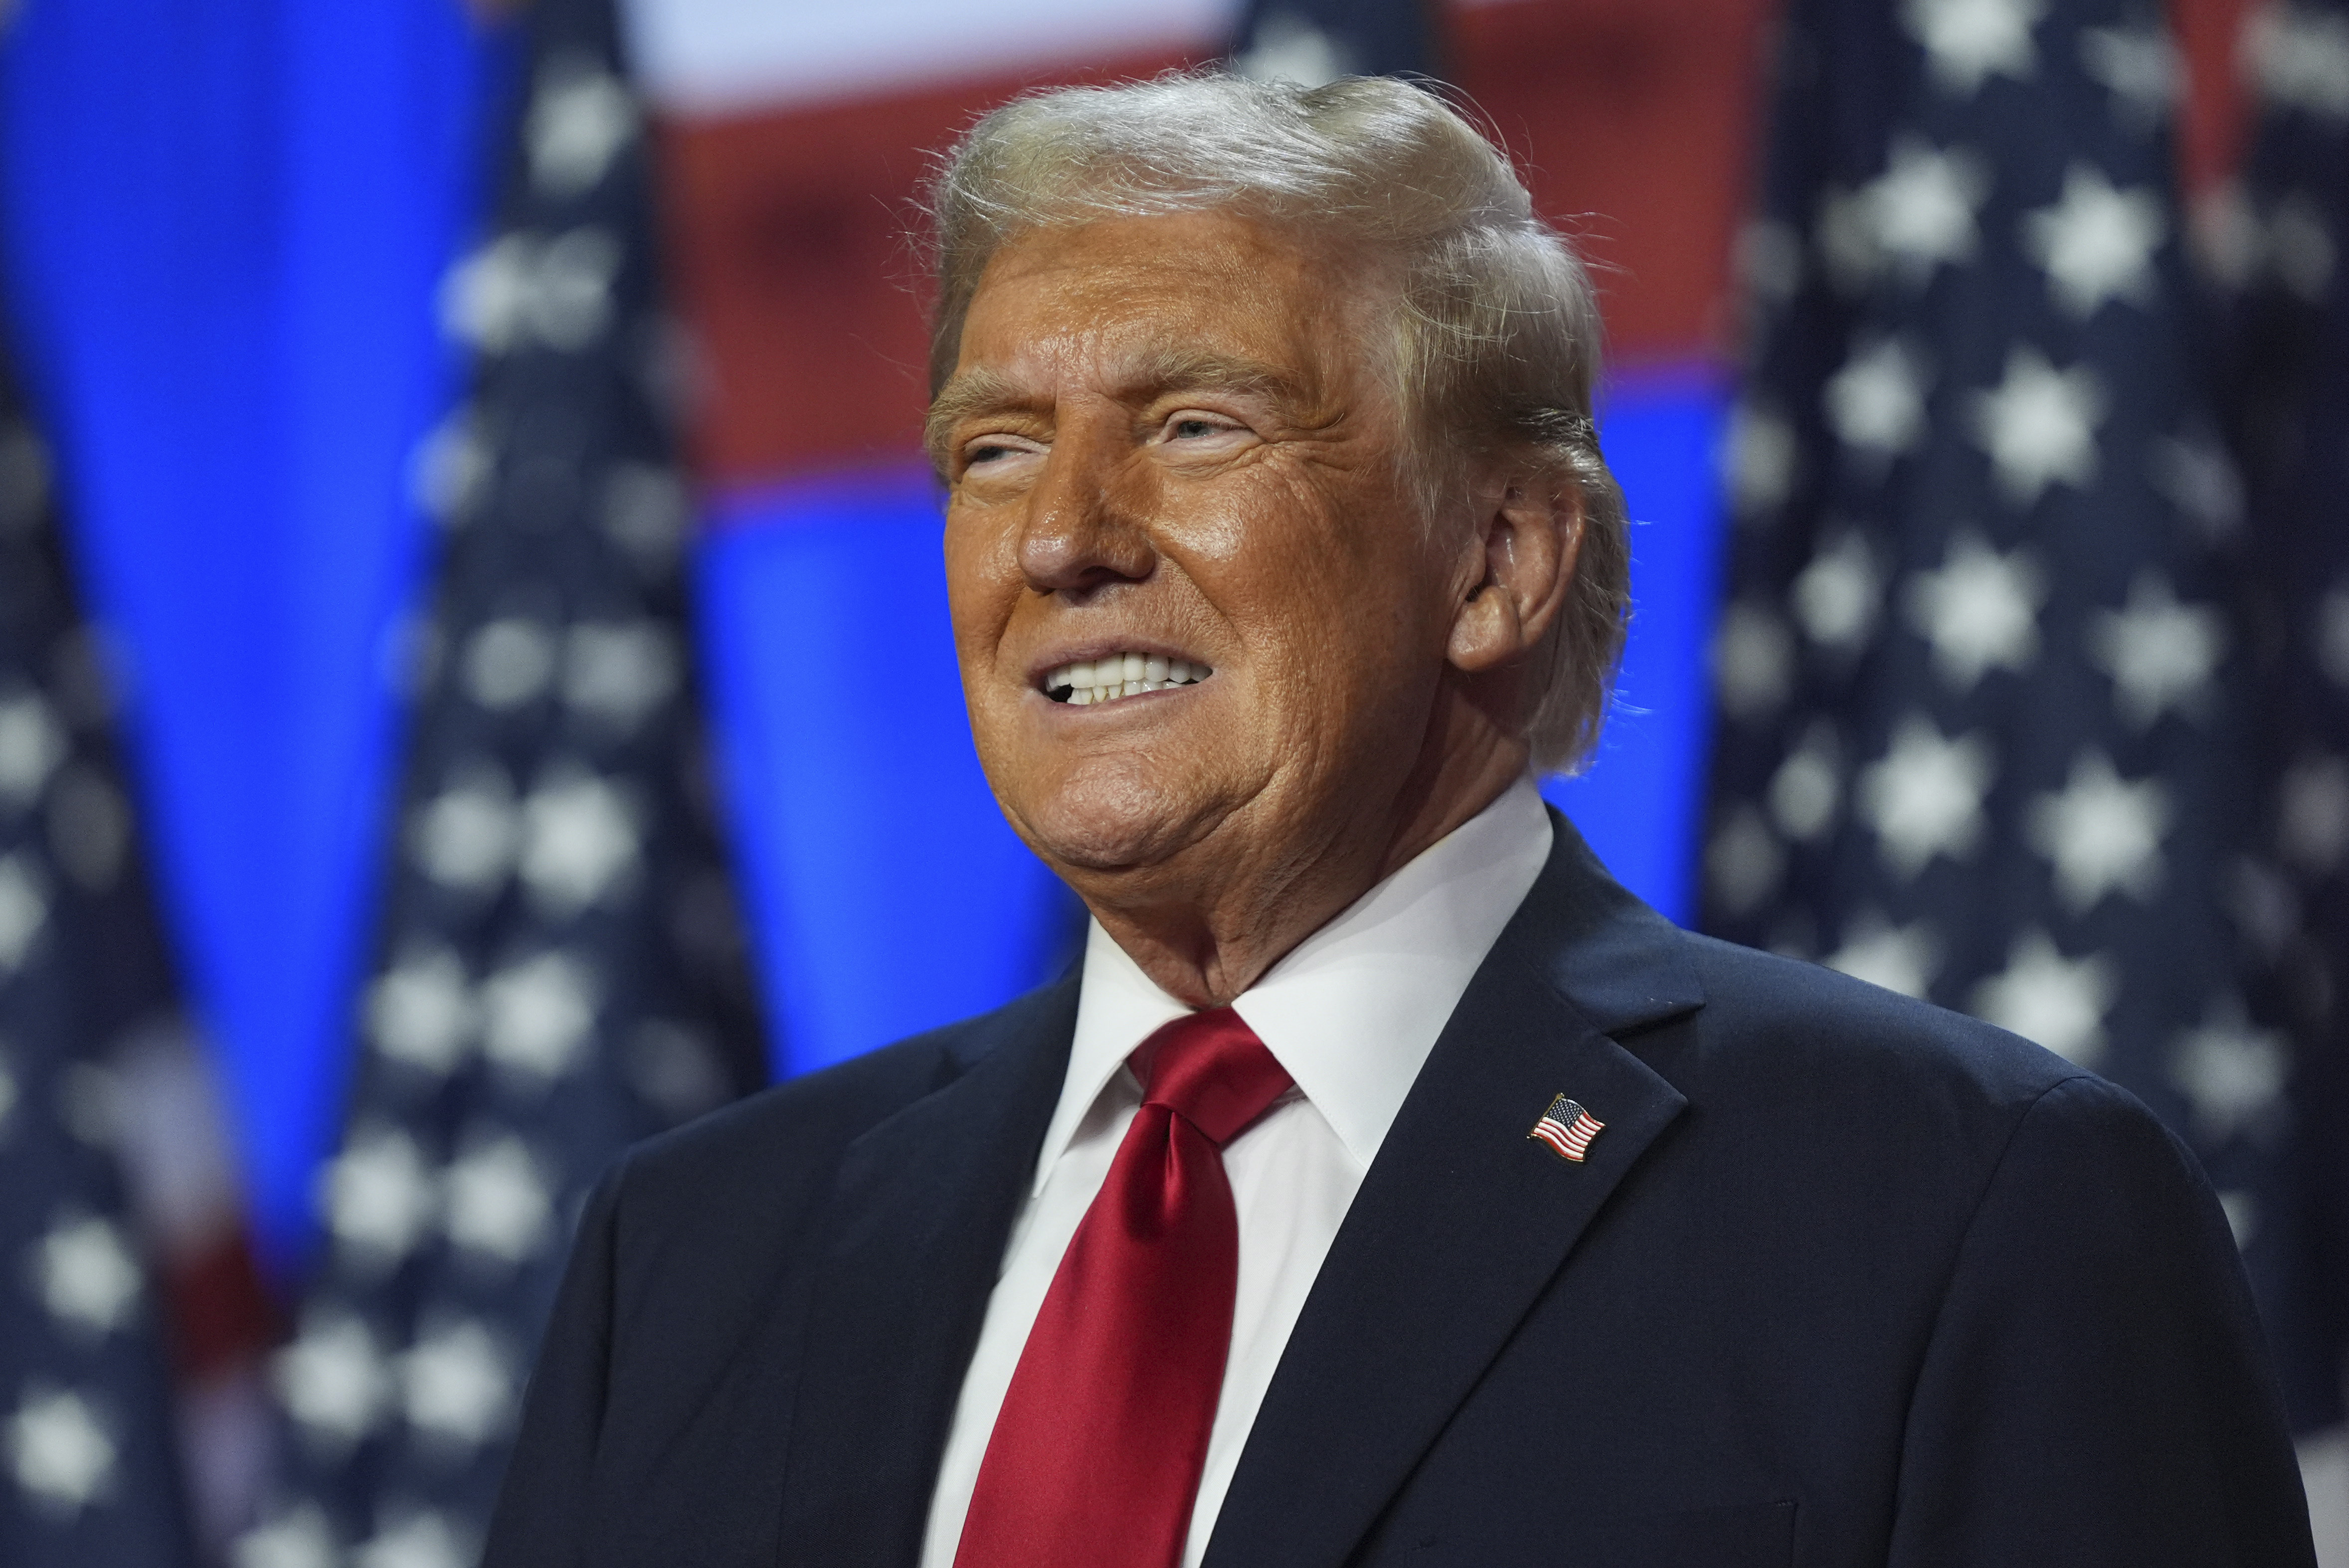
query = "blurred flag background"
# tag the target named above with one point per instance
(484, 453)
(89, 1442)
(1984, 711)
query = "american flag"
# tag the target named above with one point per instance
(1566, 1128)
(1982, 719)
(88, 1471)
(2282, 250)
(560, 971)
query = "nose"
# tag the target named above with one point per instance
(1084, 530)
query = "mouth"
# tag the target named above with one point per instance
(1115, 676)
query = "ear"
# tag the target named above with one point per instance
(1528, 536)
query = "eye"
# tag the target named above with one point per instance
(994, 450)
(1191, 425)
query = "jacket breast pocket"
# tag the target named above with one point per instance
(1747, 1535)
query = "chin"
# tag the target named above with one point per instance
(1113, 817)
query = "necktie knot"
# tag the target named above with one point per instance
(1210, 1069)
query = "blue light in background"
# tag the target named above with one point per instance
(886, 893)
(225, 221)
(1641, 801)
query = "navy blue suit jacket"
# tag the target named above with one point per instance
(1847, 1280)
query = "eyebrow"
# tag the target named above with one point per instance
(1151, 375)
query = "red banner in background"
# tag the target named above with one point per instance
(791, 258)
(788, 227)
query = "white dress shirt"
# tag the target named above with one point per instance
(1351, 1013)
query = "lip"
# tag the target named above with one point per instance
(1097, 648)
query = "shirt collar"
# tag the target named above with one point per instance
(1352, 1011)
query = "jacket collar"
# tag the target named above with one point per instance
(1464, 1219)
(1608, 955)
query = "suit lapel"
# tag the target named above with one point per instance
(1462, 1219)
(915, 1238)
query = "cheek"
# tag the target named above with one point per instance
(979, 593)
(1342, 673)
(1342, 591)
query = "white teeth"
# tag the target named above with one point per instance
(1120, 676)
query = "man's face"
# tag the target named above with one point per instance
(1169, 444)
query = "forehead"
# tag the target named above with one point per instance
(1084, 299)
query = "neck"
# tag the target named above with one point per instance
(1206, 930)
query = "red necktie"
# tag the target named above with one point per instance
(1095, 1457)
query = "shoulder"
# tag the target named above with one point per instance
(1782, 1015)
(1794, 1054)
(785, 1140)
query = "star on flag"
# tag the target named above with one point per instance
(59, 1449)
(1980, 610)
(1875, 403)
(1924, 796)
(2055, 1001)
(2096, 243)
(1968, 42)
(2039, 424)
(2102, 832)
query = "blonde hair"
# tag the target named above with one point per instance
(1497, 337)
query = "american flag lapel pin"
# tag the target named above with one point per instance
(1567, 1129)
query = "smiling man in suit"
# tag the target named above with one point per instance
(1388, 1186)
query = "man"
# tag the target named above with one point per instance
(1390, 1186)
